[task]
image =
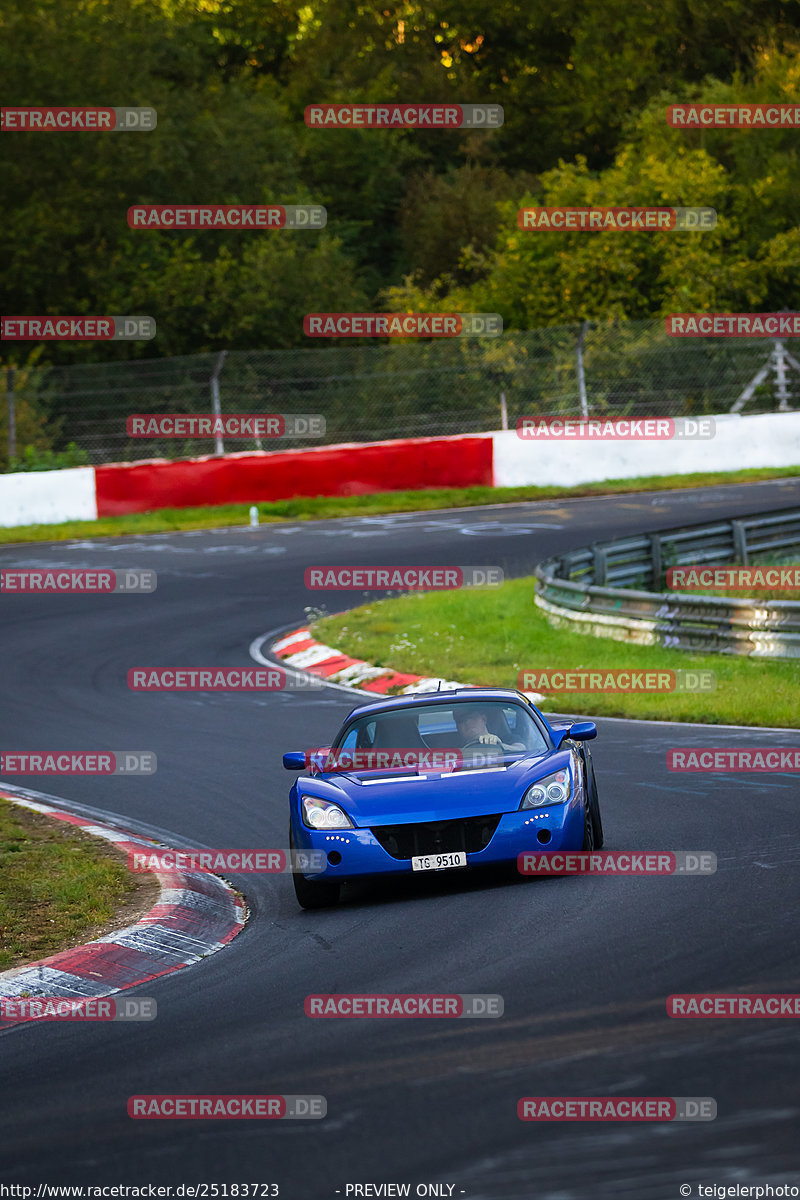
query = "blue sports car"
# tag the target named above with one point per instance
(438, 781)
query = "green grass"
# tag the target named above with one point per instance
(487, 636)
(58, 886)
(317, 508)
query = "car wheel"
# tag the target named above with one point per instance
(312, 893)
(588, 829)
(594, 806)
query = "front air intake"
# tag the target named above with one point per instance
(470, 834)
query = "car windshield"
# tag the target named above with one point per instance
(473, 727)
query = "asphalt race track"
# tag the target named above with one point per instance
(584, 964)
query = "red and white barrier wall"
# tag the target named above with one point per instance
(355, 469)
(766, 440)
(492, 459)
(48, 497)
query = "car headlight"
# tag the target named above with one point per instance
(322, 814)
(553, 789)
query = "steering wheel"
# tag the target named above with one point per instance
(498, 745)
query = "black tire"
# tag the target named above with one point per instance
(311, 893)
(588, 830)
(594, 807)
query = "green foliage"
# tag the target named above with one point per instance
(747, 263)
(34, 459)
(413, 216)
(35, 429)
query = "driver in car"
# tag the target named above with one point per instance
(471, 725)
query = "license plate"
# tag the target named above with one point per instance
(438, 862)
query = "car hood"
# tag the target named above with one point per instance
(404, 797)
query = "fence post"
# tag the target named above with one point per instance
(503, 411)
(778, 361)
(565, 563)
(655, 557)
(600, 573)
(12, 415)
(215, 405)
(780, 377)
(579, 367)
(739, 542)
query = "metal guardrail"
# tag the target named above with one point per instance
(595, 589)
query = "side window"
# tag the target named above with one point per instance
(511, 717)
(349, 742)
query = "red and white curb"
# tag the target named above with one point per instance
(196, 915)
(302, 652)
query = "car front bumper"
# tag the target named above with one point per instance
(361, 853)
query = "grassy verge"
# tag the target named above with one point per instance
(487, 636)
(317, 508)
(60, 887)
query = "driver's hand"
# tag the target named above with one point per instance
(489, 739)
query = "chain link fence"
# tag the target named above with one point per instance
(376, 392)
